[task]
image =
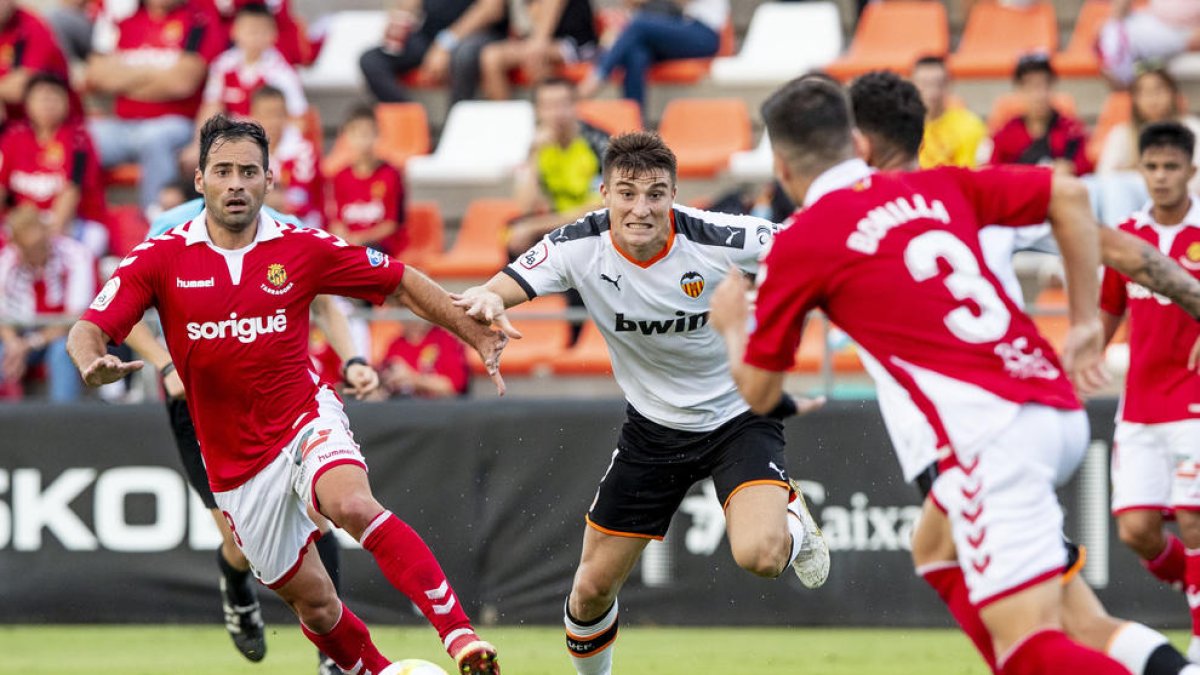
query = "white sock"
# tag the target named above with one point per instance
(591, 644)
(1136, 647)
(796, 528)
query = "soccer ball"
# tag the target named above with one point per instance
(413, 667)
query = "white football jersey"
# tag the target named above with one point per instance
(670, 363)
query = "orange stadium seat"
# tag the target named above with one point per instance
(383, 333)
(813, 345)
(996, 36)
(614, 115)
(588, 356)
(1052, 326)
(426, 233)
(690, 71)
(1117, 109)
(403, 133)
(125, 175)
(541, 342)
(704, 133)
(478, 250)
(1008, 106)
(1079, 58)
(892, 36)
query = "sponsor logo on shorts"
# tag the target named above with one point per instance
(106, 295)
(692, 284)
(334, 453)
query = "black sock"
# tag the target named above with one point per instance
(1166, 660)
(331, 557)
(237, 582)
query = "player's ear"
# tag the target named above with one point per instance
(270, 175)
(198, 181)
(1191, 169)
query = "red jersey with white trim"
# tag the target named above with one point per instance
(35, 172)
(1159, 387)
(297, 165)
(145, 40)
(364, 202)
(894, 260)
(232, 81)
(64, 285)
(292, 42)
(26, 41)
(237, 327)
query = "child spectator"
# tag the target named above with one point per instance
(425, 361)
(368, 195)
(293, 44)
(299, 186)
(1042, 135)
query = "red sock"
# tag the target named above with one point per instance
(1192, 585)
(1049, 652)
(409, 565)
(349, 645)
(950, 585)
(1170, 565)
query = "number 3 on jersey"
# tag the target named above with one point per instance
(965, 282)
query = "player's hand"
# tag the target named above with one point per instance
(1194, 357)
(729, 308)
(436, 64)
(1083, 357)
(487, 308)
(108, 369)
(490, 346)
(361, 380)
(174, 386)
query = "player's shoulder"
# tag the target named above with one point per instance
(586, 230)
(713, 228)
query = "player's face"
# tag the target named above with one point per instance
(1167, 172)
(932, 83)
(234, 183)
(46, 106)
(271, 113)
(639, 209)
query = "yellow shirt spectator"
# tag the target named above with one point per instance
(952, 139)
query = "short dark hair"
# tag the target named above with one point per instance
(638, 152)
(1167, 135)
(360, 112)
(809, 121)
(255, 9)
(267, 91)
(220, 129)
(1033, 62)
(888, 108)
(44, 77)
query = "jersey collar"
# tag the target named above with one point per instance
(1192, 219)
(197, 230)
(837, 177)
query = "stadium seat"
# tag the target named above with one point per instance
(478, 250)
(753, 165)
(403, 133)
(892, 36)
(541, 342)
(383, 333)
(784, 40)
(1008, 106)
(350, 33)
(996, 36)
(127, 228)
(1117, 109)
(704, 133)
(588, 356)
(1079, 58)
(813, 346)
(426, 233)
(124, 175)
(691, 71)
(614, 115)
(482, 142)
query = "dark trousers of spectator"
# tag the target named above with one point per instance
(650, 38)
(382, 70)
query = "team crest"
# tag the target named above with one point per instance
(378, 189)
(54, 154)
(6, 55)
(1193, 251)
(1190, 260)
(692, 284)
(276, 274)
(172, 32)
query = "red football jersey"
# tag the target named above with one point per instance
(361, 203)
(894, 260)
(35, 173)
(292, 42)
(236, 325)
(144, 40)
(64, 285)
(231, 82)
(1159, 387)
(298, 174)
(438, 351)
(27, 42)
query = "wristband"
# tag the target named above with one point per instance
(784, 409)
(167, 369)
(446, 40)
(353, 361)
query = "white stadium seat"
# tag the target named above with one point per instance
(482, 142)
(784, 40)
(753, 165)
(350, 33)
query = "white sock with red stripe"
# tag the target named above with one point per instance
(591, 643)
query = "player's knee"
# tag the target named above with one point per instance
(766, 556)
(591, 596)
(351, 512)
(319, 612)
(1140, 535)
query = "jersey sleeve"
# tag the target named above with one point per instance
(760, 234)
(1112, 292)
(354, 271)
(127, 294)
(543, 268)
(1015, 196)
(791, 282)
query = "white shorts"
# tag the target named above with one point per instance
(1156, 466)
(1004, 514)
(268, 514)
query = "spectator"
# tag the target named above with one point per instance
(425, 361)
(299, 186)
(368, 195)
(292, 43)
(562, 31)
(156, 74)
(442, 38)
(561, 180)
(1042, 135)
(1120, 188)
(73, 21)
(1163, 29)
(953, 134)
(41, 274)
(49, 163)
(27, 46)
(659, 30)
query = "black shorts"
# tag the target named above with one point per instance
(654, 466)
(189, 449)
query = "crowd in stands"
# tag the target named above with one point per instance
(104, 93)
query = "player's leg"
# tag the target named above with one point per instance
(1181, 441)
(756, 519)
(496, 60)
(1142, 471)
(331, 558)
(591, 613)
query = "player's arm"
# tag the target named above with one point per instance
(729, 315)
(1145, 265)
(141, 340)
(333, 322)
(1078, 238)
(180, 80)
(432, 303)
(87, 345)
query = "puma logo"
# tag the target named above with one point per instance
(615, 282)
(775, 467)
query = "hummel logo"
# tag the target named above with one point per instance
(195, 283)
(615, 282)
